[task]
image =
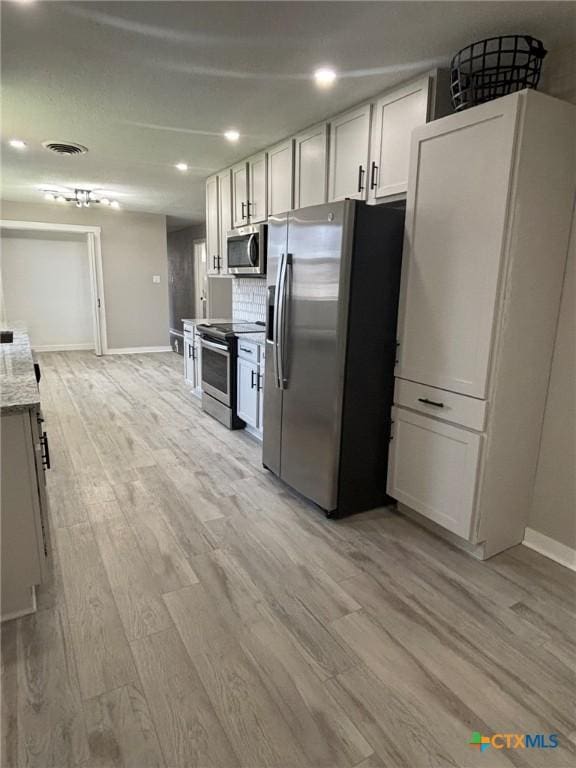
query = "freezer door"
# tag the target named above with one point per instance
(316, 307)
(272, 427)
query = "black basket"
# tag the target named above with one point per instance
(495, 67)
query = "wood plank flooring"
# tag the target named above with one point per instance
(200, 614)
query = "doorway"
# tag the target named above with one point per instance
(51, 278)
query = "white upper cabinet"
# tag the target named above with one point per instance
(257, 182)
(394, 118)
(311, 166)
(455, 223)
(224, 215)
(240, 194)
(349, 149)
(280, 177)
(212, 226)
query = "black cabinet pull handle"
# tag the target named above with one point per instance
(430, 402)
(259, 384)
(373, 175)
(46, 456)
(360, 174)
(244, 349)
(251, 379)
(244, 210)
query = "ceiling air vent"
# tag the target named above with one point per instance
(65, 147)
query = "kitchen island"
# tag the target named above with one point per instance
(24, 458)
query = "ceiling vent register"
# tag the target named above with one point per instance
(68, 148)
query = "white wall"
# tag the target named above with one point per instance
(46, 285)
(133, 251)
(553, 511)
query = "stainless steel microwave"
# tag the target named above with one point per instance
(246, 250)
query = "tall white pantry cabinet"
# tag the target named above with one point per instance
(488, 217)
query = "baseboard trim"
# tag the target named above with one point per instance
(63, 347)
(550, 548)
(136, 350)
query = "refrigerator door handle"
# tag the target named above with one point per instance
(282, 322)
(276, 322)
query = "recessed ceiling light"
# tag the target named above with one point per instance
(17, 144)
(115, 204)
(232, 135)
(182, 166)
(324, 77)
(105, 201)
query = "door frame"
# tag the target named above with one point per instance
(196, 246)
(94, 247)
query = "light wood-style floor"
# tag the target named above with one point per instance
(202, 615)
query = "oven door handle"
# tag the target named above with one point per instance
(216, 347)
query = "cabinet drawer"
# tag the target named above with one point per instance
(249, 350)
(448, 406)
(188, 330)
(433, 469)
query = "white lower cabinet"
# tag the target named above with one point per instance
(247, 404)
(192, 351)
(250, 381)
(433, 469)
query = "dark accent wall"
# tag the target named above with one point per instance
(181, 279)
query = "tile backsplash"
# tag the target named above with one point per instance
(248, 299)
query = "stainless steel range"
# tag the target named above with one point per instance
(219, 346)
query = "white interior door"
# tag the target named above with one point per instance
(257, 203)
(349, 147)
(280, 177)
(240, 195)
(310, 166)
(394, 118)
(433, 468)
(455, 229)
(200, 279)
(212, 226)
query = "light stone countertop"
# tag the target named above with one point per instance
(18, 387)
(258, 336)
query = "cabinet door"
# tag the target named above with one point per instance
(247, 395)
(349, 146)
(432, 468)
(240, 194)
(394, 118)
(257, 203)
(189, 372)
(456, 216)
(280, 177)
(311, 166)
(212, 226)
(224, 215)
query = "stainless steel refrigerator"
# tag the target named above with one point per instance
(333, 280)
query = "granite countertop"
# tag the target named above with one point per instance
(195, 320)
(18, 387)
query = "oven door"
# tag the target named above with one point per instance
(216, 373)
(245, 250)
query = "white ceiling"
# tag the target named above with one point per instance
(147, 84)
